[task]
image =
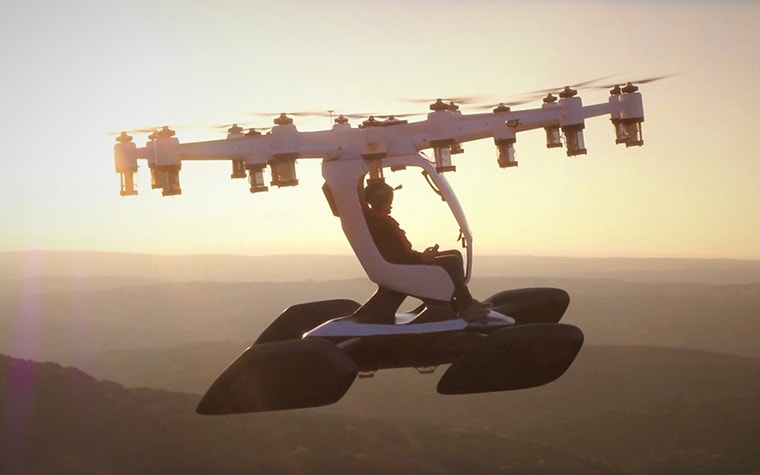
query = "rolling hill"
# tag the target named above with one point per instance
(636, 409)
(60, 420)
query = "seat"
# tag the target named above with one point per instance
(343, 179)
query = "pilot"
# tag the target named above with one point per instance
(393, 245)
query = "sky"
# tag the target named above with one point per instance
(72, 72)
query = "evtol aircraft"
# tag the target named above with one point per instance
(311, 354)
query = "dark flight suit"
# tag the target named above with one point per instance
(395, 248)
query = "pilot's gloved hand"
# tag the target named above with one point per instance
(429, 254)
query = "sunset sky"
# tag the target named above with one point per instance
(74, 71)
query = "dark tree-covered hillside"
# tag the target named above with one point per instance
(60, 420)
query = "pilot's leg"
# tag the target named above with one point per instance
(464, 304)
(452, 262)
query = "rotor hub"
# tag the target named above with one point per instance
(550, 98)
(629, 88)
(283, 120)
(371, 122)
(235, 129)
(439, 105)
(568, 92)
(501, 108)
(165, 133)
(124, 138)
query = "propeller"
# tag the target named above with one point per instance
(630, 85)
(582, 84)
(455, 100)
(563, 91)
(149, 130)
(638, 81)
(356, 115)
(153, 132)
(142, 131)
(284, 118)
(395, 116)
(323, 113)
(449, 103)
(343, 118)
(239, 128)
(339, 118)
(504, 106)
(446, 103)
(387, 119)
(293, 113)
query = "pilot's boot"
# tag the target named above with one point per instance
(473, 311)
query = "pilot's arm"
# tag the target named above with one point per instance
(392, 242)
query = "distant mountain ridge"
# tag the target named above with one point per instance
(50, 324)
(284, 268)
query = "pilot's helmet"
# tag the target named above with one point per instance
(378, 192)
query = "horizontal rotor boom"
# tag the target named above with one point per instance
(443, 130)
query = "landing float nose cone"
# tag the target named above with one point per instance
(281, 375)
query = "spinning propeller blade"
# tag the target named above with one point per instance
(639, 81)
(143, 130)
(588, 83)
(323, 113)
(512, 103)
(395, 116)
(455, 99)
(151, 130)
(229, 127)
